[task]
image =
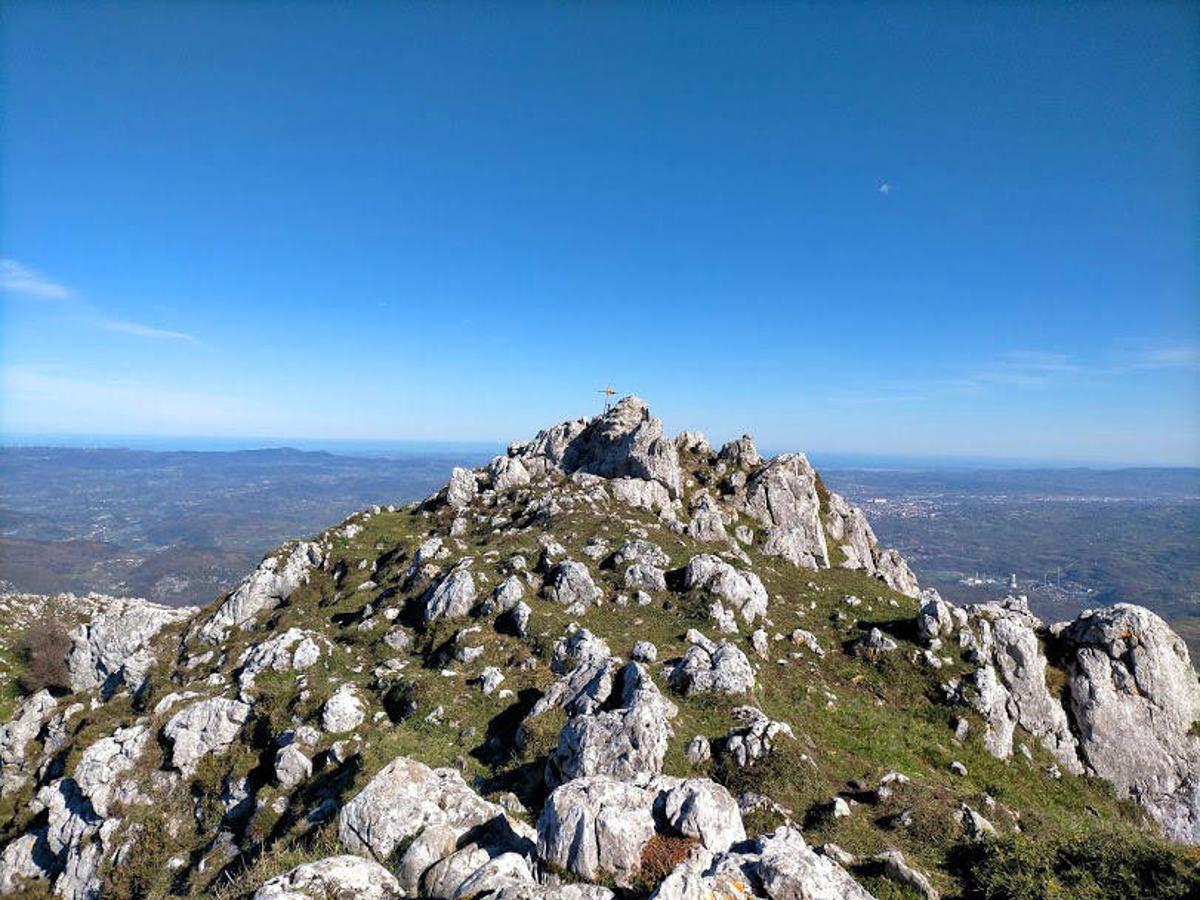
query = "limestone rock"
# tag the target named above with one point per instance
(598, 827)
(202, 728)
(640, 552)
(461, 488)
(742, 590)
(112, 648)
(292, 766)
(707, 523)
(1011, 683)
(571, 583)
(25, 725)
(621, 742)
(641, 577)
(783, 497)
(293, 649)
(453, 596)
(1133, 697)
(264, 588)
(404, 798)
(713, 668)
(779, 866)
(343, 711)
(335, 876)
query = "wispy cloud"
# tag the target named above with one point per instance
(16, 278)
(139, 330)
(1178, 357)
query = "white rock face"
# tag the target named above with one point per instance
(461, 488)
(709, 667)
(27, 720)
(849, 529)
(99, 769)
(783, 497)
(755, 736)
(1133, 696)
(293, 649)
(264, 588)
(627, 442)
(640, 552)
(739, 589)
(343, 711)
(708, 523)
(453, 596)
(291, 766)
(571, 583)
(202, 728)
(641, 577)
(111, 649)
(334, 876)
(622, 742)
(77, 832)
(598, 827)
(404, 798)
(1011, 683)
(779, 866)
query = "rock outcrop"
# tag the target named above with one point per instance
(111, 649)
(1133, 699)
(263, 589)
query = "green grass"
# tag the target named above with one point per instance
(880, 718)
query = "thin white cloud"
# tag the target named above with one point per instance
(1178, 357)
(146, 331)
(16, 278)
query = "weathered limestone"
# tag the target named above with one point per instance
(202, 728)
(112, 648)
(263, 589)
(1133, 699)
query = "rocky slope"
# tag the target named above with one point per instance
(610, 663)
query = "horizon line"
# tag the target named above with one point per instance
(189, 442)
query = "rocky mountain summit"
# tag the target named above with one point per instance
(610, 663)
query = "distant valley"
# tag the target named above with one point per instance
(183, 527)
(180, 527)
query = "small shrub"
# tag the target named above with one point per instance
(42, 652)
(660, 857)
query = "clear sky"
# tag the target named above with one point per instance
(950, 229)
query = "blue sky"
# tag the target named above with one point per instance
(957, 229)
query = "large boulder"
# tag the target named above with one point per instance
(1010, 682)
(597, 828)
(783, 496)
(208, 726)
(739, 589)
(778, 866)
(112, 648)
(264, 588)
(571, 584)
(404, 798)
(453, 596)
(710, 667)
(335, 876)
(343, 711)
(1133, 697)
(621, 742)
